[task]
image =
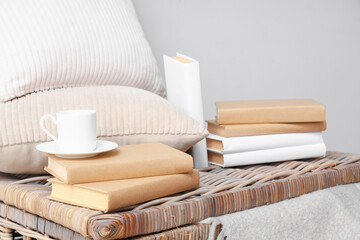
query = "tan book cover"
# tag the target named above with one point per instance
(112, 195)
(129, 161)
(270, 111)
(239, 130)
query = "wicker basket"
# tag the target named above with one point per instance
(27, 209)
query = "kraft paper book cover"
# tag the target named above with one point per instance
(237, 130)
(128, 161)
(270, 111)
(112, 195)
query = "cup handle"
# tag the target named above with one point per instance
(43, 126)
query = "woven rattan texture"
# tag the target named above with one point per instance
(36, 227)
(222, 191)
(37, 224)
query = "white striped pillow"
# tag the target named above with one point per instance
(47, 44)
(125, 115)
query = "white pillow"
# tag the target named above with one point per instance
(125, 115)
(47, 44)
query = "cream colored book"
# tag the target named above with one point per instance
(129, 161)
(112, 195)
(270, 111)
(238, 130)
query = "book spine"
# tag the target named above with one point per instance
(184, 92)
(262, 142)
(274, 155)
(314, 113)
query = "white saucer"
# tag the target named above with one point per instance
(53, 148)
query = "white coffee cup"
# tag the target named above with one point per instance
(76, 130)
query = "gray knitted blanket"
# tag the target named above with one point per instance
(332, 213)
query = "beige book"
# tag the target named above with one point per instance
(238, 130)
(270, 111)
(129, 161)
(112, 195)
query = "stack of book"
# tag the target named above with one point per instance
(252, 132)
(123, 177)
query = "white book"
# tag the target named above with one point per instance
(268, 155)
(183, 87)
(261, 142)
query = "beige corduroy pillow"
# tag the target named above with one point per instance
(125, 115)
(47, 44)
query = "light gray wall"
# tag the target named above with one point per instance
(268, 49)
